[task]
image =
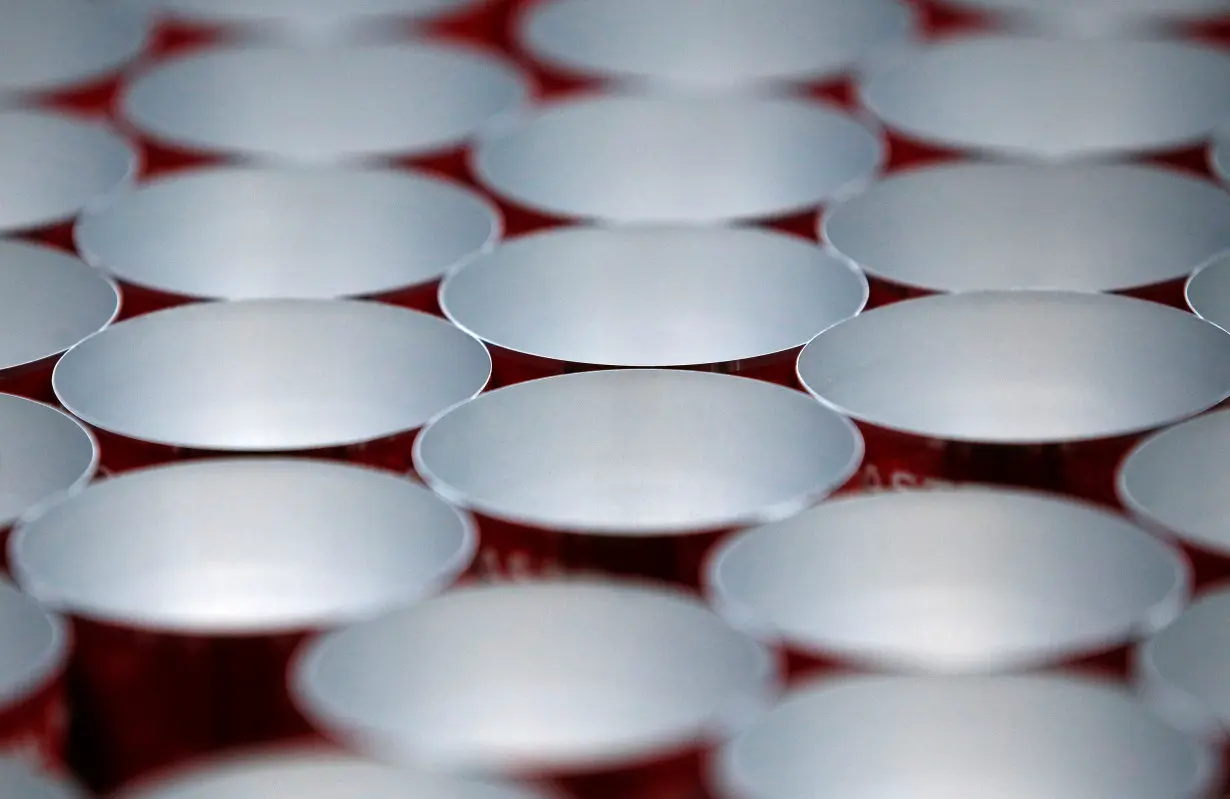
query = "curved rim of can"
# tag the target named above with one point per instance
(980, 115)
(816, 423)
(36, 670)
(51, 564)
(618, 295)
(367, 100)
(308, 233)
(1219, 155)
(81, 475)
(1131, 14)
(1204, 287)
(66, 45)
(1176, 690)
(317, 771)
(792, 595)
(783, 41)
(938, 308)
(304, 330)
(710, 681)
(1150, 493)
(47, 273)
(1078, 227)
(1064, 721)
(20, 780)
(88, 159)
(604, 178)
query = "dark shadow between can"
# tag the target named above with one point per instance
(738, 301)
(190, 586)
(285, 233)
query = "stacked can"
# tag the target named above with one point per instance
(614, 399)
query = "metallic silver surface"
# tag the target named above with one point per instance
(317, 106)
(730, 45)
(242, 546)
(270, 375)
(1175, 481)
(54, 166)
(638, 452)
(52, 45)
(960, 581)
(311, 18)
(1041, 99)
(314, 774)
(1017, 737)
(1014, 367)
(1090, 227)
(44, 453)
(1181, 671)
(1219, 154)
(21, 781)
(1208, 291)
(236, 234)
(1096, 16)
(49, 301)
(536, 677)
(653, 297)
(34, 644)
(687, 159)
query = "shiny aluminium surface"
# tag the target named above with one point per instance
(270, 375)
(285, 232)
(35, 645)
(48, 46)
(652, 296)
(638, 452)
(49, 301)
(53, 166)
(1053, 99)
(18, 780)
(1016, 737)
(731, 45)
(1174, 479)
(1208, 291)
(1097, 16)
(232, 546)
(535, 678)
(1180, 671)
(1219, 155)
(365, 103)
(1083, 227)
(962, 581)
(310, 16)
(628, 159)
(1013, 367)
(314, 773)
(44, 453)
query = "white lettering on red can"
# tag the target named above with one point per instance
(899, 480)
